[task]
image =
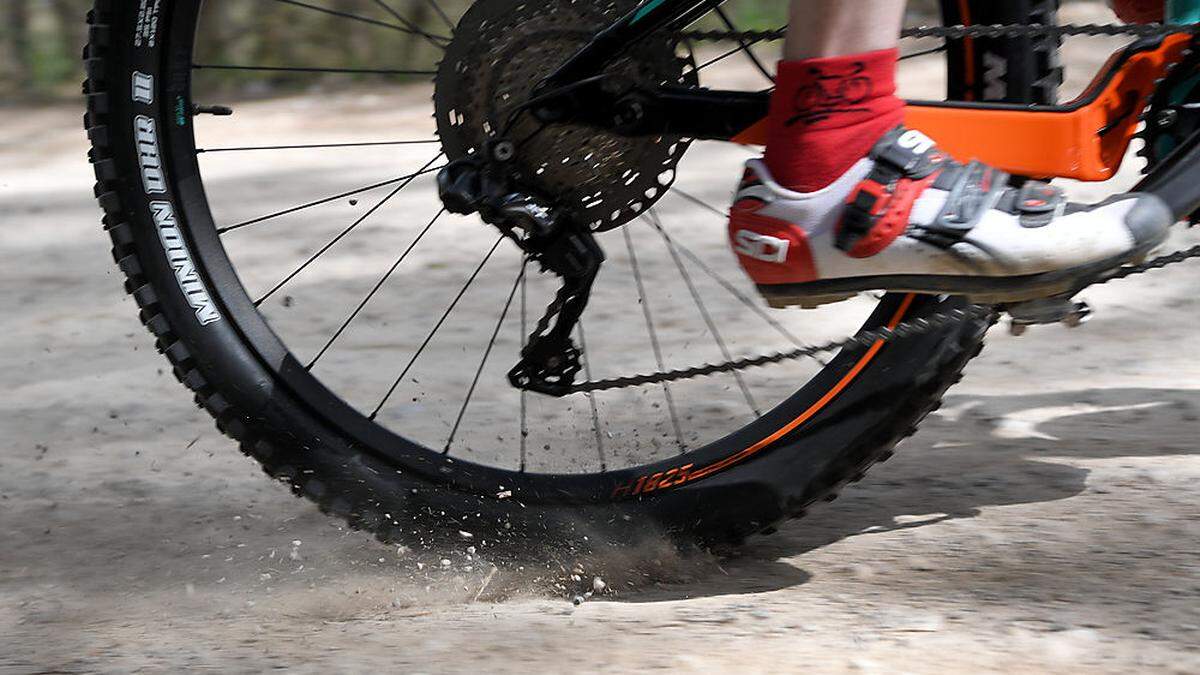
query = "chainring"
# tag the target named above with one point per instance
(1173, 113)
(501, 50)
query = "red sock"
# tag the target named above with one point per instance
(826, 114)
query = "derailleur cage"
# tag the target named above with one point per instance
(548, 236)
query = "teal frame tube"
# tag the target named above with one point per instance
(1183, 11)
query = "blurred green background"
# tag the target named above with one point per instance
(41, 40)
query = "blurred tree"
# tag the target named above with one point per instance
(17, 39)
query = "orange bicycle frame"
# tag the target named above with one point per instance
(1085, 139)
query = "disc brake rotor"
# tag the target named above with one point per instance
(501, 50)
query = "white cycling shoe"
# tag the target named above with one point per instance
(908, 218)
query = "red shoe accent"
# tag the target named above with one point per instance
(890, 205)
(771, 250)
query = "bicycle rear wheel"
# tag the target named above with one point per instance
(344, 380)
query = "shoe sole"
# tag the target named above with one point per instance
(978, 290)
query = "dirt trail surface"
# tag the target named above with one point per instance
(1045, 520)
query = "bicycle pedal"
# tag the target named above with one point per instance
(1069, 312)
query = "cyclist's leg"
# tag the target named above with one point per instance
(816, 134)
(847, 200)
(822, 28)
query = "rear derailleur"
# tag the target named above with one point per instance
(482, 183)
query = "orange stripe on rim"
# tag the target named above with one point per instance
(817, 407)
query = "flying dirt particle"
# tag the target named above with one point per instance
(445, 562)
(598, 585)
(465, 535)
(353, 202)
(577, 600)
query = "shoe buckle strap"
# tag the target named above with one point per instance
(976, 189)
(903, 158)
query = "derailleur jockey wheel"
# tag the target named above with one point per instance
(500, 52)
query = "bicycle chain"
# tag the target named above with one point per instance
(939, 320)
(863, 339)
(963, 32)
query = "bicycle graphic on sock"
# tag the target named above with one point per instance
(830, 94)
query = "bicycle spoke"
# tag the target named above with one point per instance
(438, 9)
(391, 390)
(326, 200)
(591, 396)
(483, 362)
(924, 52)
(351, 17)
(341, 235)
(728, 285)
(724, 55)
(382, 280)
(700, 202)
(315, 146)
(646, 313)
(523, 338)
(308, 69)
(743, 45)
(432, 39)
(653, 219)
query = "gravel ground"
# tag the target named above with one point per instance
(1045, 520)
